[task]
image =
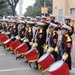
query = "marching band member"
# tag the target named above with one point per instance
(40, 38)
(52, 18)
(45, 26)
(8, 18)
(14, 31)
(29, 34)
(10, 27)
(16, 18)
(8, 24)
(68, 22)
(66, 45)
(22, 18)
(28, 18)
(5, 24)
(22, 29)
(38, 18)
(53, 39)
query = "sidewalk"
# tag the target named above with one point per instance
(72, 72)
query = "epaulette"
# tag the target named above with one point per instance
(54, 33)
(70, 24)
(41, 30)
(68, 38)
(54, 21)
(14, 26)
(6, 25)
(26, 28)
(22, 26)
(29, 29)
(36, 28)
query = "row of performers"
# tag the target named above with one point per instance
(39, 42)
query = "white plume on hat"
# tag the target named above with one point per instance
(53, 25)
(67, 17)
(40, 23)
(66, 27)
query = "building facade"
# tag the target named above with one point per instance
(63, 8)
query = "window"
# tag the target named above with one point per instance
(72, 11)
(60, 15)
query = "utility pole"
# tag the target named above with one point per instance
(20, 8)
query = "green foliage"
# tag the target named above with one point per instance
(36, 8)
(13, 4)
(4, 8)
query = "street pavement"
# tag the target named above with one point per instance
(10, 66)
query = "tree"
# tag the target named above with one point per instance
(13, 4)
(2, 4)
(4, 8)
(36, 8)
(30, 11)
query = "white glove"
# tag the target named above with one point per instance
(32, 40)
(0, 30)
(46, 47)
(56, 49)
(22, 39)
(48, 50)
(31, 43)
(12, 37)
(65, 56)
(3, 32)
(33, 47)
(17, 37)
(26, 40)
(35, 44)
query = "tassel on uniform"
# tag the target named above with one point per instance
(39, 67)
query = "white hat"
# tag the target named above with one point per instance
(28, 17)
(13, 21)
(33, 19)
(51, 15)
(5, 20)
(22, 22)
(38, 17)
(1, 20)
(12, 17)
(67, 18)
(40, 24)
(8, 16)
(43, 17)
(30, 23)
(53, 25)
(65, 26)
(16, 16)
(22, 17)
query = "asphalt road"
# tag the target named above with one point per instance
(10, 66)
